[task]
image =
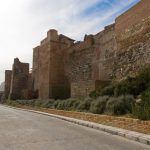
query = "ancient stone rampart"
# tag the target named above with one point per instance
(64, 68)
(121, 49)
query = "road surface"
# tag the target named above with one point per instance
(21, 130)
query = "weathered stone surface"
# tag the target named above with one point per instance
(133, 16)
(104, 54)
(133, 50)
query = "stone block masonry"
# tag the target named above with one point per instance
(63, 68)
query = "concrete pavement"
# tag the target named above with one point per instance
(21, 130)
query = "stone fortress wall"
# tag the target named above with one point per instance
(63, 68)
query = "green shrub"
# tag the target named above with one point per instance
(119, 105)
(75, 105)
(38, 103)
(26, 102)
(11, 103)
(98, 106)
(109, 90)
(142, 109)
(84, 104)
(47, 103)
(115, 106)
(128, 86)
(129, 102)
(94, 94)
(31, 102)
(72, 104)
(60, 104)
(134, 85)
(55, 104)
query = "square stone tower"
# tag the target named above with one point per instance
(48, 66)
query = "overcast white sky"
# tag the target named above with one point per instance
(24, 23)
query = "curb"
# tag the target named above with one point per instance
(131, 135)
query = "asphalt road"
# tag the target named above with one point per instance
(21, 130)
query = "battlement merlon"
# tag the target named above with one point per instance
(52, 35)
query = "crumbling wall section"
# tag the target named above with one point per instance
(19, 80)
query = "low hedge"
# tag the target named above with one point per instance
(103, 104)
